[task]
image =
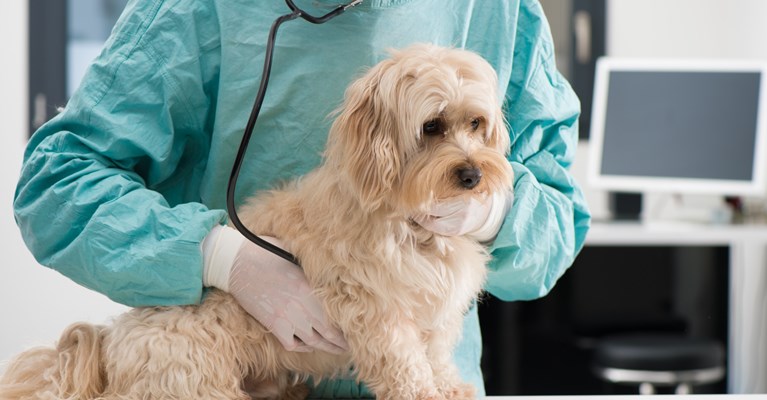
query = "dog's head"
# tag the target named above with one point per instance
(421, 126)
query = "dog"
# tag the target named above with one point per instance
(407, 131)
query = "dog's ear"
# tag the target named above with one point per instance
(498, 133)
(362, 141)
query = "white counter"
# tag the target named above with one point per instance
(638, 397)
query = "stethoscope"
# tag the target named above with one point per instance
(234, 218)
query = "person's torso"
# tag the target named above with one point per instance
(312, 66)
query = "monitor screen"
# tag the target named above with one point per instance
(679, 126)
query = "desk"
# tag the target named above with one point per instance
(747, 347)
(636, 397)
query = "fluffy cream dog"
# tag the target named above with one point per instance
(405, 137)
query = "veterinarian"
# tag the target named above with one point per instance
(124, 191)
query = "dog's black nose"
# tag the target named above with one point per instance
(469, 177)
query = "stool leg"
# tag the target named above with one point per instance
(646, 388)
(683, 388)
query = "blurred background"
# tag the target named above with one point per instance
(669, 282)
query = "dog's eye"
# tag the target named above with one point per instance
(434, 127)
(475, 124)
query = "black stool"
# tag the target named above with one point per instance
(651, 360)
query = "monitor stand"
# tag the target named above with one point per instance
(625, 206)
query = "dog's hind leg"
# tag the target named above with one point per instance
(167, 377)
(175, 384)
(175, 353)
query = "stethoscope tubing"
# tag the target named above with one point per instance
(250, 126)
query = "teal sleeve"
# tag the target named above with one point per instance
(547, 224)
(107, 192)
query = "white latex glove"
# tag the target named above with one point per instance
(480, 219)
(271, 289)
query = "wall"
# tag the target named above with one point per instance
(687, 28)
(692, 29)
(35, 303)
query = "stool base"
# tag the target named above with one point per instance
(648, 380)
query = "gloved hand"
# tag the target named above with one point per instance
(271, 289)
(480, 219)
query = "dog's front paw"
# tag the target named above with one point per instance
(461, 391)
(430, 395)
(297, 392)
(422, 394)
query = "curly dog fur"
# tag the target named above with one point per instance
(396, 290)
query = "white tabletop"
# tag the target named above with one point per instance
(640, 397)
(672, 233)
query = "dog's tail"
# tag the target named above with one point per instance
(71, 370)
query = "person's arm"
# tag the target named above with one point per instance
(105, 188)
(109, 191)
(547, 223)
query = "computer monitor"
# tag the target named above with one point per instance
(679, 126)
